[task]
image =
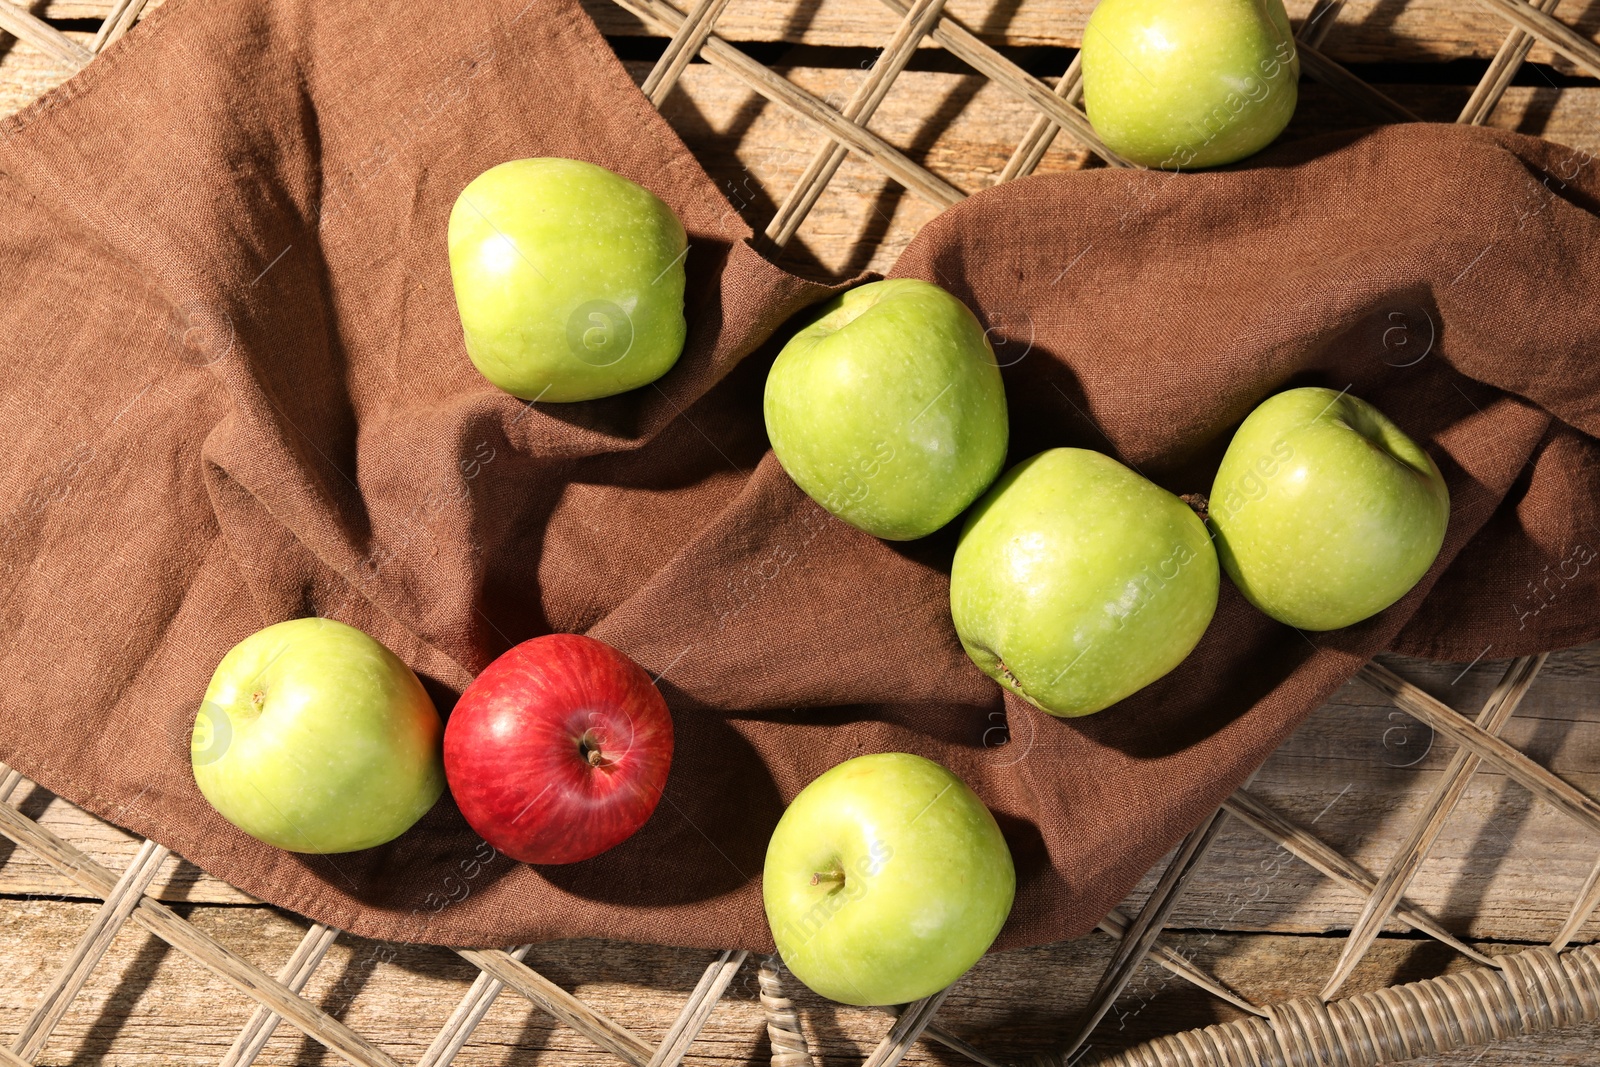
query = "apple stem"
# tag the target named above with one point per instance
(594, 757)
(827, 876)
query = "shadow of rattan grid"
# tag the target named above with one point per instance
(1530, 991)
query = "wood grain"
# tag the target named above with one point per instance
(26, 72)
(1006, 74)
(1502, 69)
(1424, 834)
(51, 42)
(965, 129)
(294, 974)
(683, 49)
(897, 1044)
(810, 109)
(222, 963)
(696, 1011)
(1359, 772)
(1374, 31)
(147, 1006)
(1367, 31)
(869, 93)
(560, 1004)
(91, 949)
(1129, 955)
(1550, 31)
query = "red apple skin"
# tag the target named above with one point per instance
(559, 750)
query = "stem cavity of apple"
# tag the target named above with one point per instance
(835, 875)
(589, 747)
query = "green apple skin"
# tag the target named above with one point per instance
(313, 737)
(1078, 582)
(569, 279)
(1325, 511)
(888, 408)
(1192, 84)
(885, 880)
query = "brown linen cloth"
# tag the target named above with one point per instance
(236, 393)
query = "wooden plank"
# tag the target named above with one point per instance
(1134, 946)
(294, 974)
(1366, 31)
(1359, 771)
(685, 1029)
(815, 112)
(26, 72)
(1551, 31)
(1532, 775)
(23, 874)
(901, 1039)
(1441, 803)
(223, 963)
(962, 128)
(1002, 71)
(965, 129)
(864, 100)
(146, 1007)
(560, 1003)
(91, 949)
(41, 35)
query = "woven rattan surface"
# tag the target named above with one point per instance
(1488, 998)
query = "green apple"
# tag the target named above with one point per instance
(885, 880)
(1325, 511)
(569, 279)
(313, 737)
(888, 409)
(1191, 84)
(1077, 582)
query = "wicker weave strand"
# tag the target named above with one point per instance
(1536, 990)
(783, 1022)
(294, 975)
(1452, 786)
(692, 1018)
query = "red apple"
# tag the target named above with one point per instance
(559, 750)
